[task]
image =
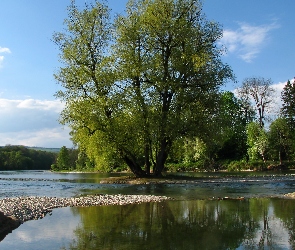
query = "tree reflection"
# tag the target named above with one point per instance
(285, 210)
(200, 224)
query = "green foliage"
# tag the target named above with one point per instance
(280, 140)
(257, 140)
(83, 162)
(188, 150)
(288, 98)
(224, 137)
(135, 94)
(237, 166)
(233, 117)
(288, 110)
(63, 159)
(22, 158)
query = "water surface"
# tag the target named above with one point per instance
(196, 219)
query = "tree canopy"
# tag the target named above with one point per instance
(23, 158)
(288, 98)
(135, 86)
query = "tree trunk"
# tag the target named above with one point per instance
(147, 160)
(134, 167)
(161, 158)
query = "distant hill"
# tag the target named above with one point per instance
(53, 150)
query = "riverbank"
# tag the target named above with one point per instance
(32, 208)
(15, 211)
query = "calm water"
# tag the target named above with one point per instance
(194, 220)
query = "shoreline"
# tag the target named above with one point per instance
(33, 207)
(17, 210)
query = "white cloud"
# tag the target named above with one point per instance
(55, 106)
(59, 226)
(247, 41)
(278, 87)
(3, 50)
(8, 106)
(1, 59)
(32, 123)
(47, 137)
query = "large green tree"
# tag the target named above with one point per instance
(152, 83)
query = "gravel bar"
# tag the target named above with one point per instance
(33, 208)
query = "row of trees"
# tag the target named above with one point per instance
(236, 136)
(22, 158)
(145, 89)
(248, 134)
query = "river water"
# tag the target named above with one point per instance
(197, 217)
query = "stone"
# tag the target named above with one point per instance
(17, 210)
(7, 224)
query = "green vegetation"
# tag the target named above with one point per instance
(144, 93)
(135, 87)
(22, 158)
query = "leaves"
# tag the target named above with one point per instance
(137, 86)
(288, 98)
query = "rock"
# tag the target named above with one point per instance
(7, 224)
(21, 209)
(290, 195)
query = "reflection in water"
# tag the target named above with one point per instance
(199, 224)
(191, 221)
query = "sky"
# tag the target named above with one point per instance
(259, 37)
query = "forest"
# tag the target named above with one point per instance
(239, 143)
(145, 91)
(23, 158)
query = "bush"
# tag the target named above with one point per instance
(237, 165)
(54, 167)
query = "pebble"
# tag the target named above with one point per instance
(33, 208)
(290, 195)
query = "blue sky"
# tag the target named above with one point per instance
(259, 36)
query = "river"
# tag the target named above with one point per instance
(198, 218)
